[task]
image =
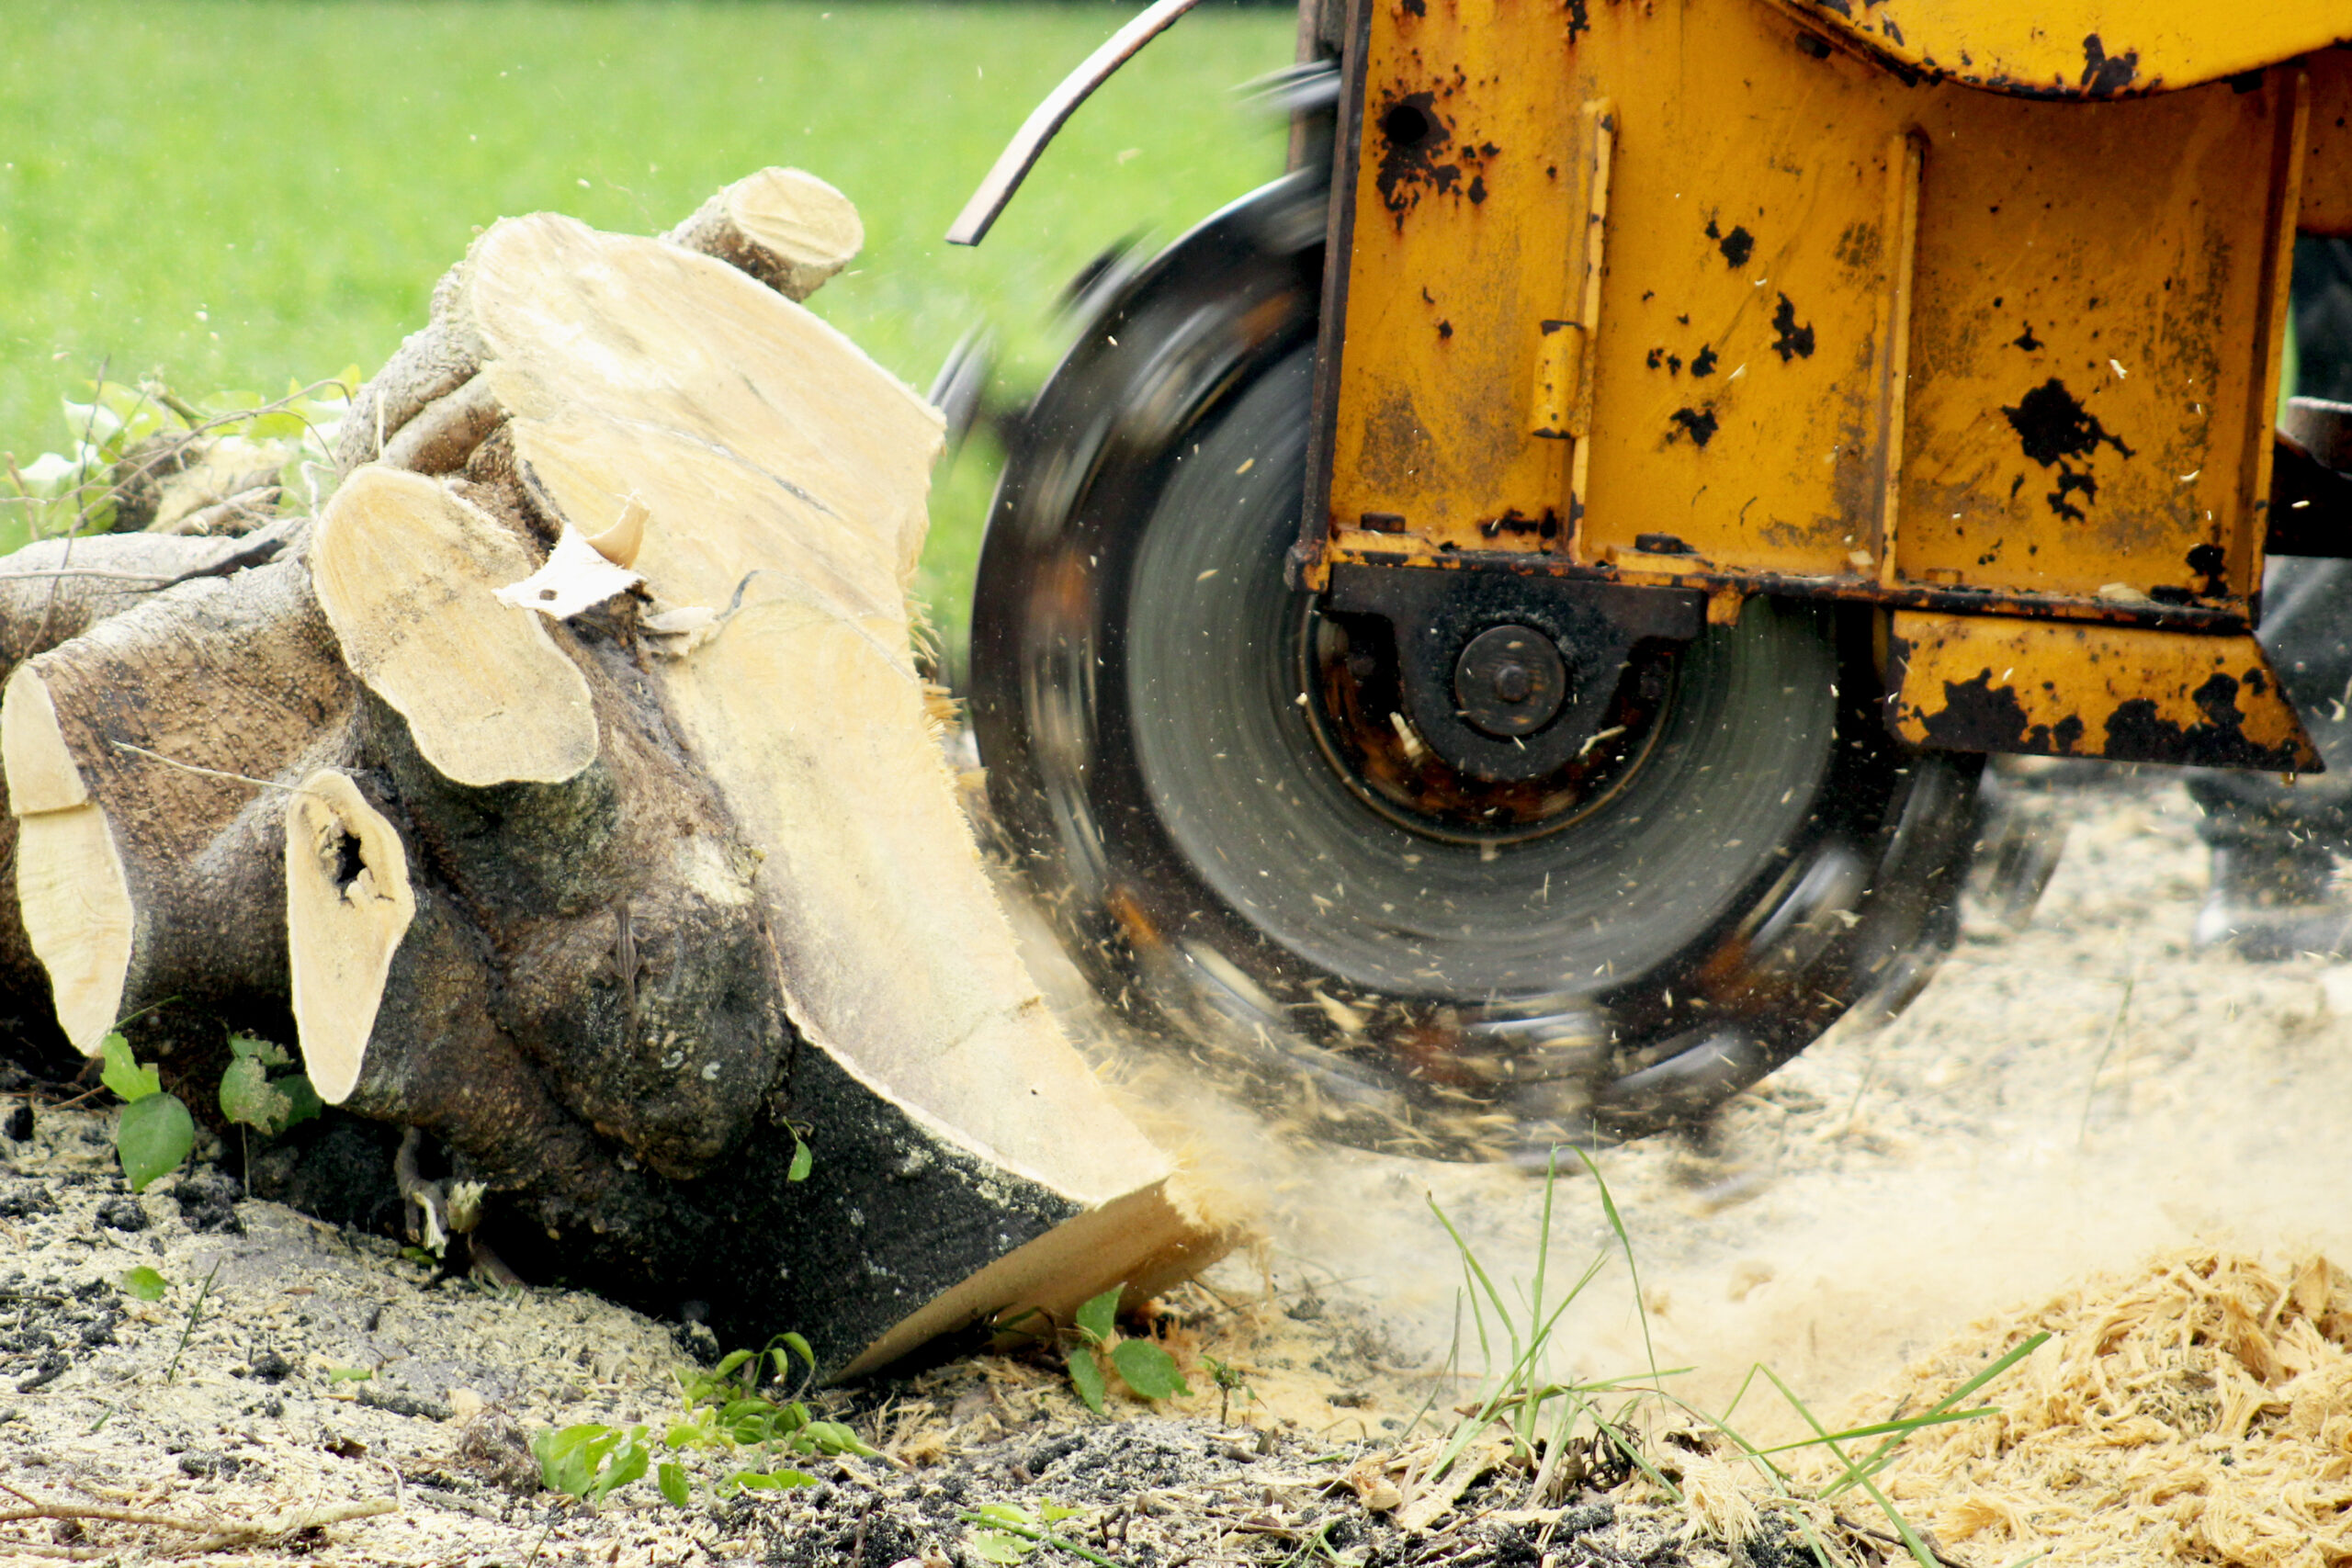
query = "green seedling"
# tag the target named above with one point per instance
(727, 1413)
(1007, 1533)
(1541, 1417)
(156, 1133)
(1229, 1381)
(1145, 1367)
(589, 1462)
(350, 1374)
(252, 1098)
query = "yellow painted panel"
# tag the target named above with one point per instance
(2091, 314)
(2087, 342)
(1463, 230)
(2129, 693)
(2082, 47)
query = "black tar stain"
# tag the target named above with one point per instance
(1704, 363)
(2051, 426)
(1794, 342)
(2105, 74)
(1978, 717)
(1411, 136)
(2207, 561)
(2026, 340)
(1700, 423)
(1736, 246)
(2057, 432)
(2136, 734)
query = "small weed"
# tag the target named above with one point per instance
(589, 1462)
(252, 1098)
(1229, 1381)
(1146, 1367)
(1007, 1533)
(156, 1133)
(350, 1374)
(1540, 1418)
(727, 1412)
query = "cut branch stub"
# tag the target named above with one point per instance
(784, 227)
(142, 757)
(408, 574)
(347, 906)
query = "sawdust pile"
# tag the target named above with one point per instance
(2198, 1412)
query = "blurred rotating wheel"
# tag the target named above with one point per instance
(1209, 781)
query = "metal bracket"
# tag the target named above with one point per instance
(1436, 615)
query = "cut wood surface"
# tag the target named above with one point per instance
(784, 227)
(347, 908)
(569, 793)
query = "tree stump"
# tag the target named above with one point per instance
(567, 791)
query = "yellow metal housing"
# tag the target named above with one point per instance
(1682, 293)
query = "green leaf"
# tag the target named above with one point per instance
(144, 1284)
(671, 1480)
(246, 1096)
(1148, 1369)
(802, 1159)
(303, 1100)
(154, 1134)
(627, 1465)
(796, 1344)
(829, 1437)
(130, 1081)
(1098, 1318)
(269, 1052)
(1086, 1376)
(772, 1480)
(567, 1457)
(350, 1374)
(1001, 1546)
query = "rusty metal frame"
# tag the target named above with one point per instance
(1323, 420)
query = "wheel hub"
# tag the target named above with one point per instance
(1509, 681)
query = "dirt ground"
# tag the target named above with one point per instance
(2061, 1101)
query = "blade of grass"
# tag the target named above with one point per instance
(1043, 1537)
(1903, 1427)
(1920, 1551)
(1617, 1223)
(194, 1311)
(1876, 1459)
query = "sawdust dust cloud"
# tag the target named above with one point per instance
(2060, 1101)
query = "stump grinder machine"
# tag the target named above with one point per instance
(1493, 638)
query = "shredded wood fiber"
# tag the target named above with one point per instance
(2200, 1412)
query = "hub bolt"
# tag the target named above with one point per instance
(1509, 681)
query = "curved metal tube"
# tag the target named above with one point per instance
(1020, 155)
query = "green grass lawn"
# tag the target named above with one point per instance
(245, 191)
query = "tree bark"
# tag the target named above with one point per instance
(569, 792)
